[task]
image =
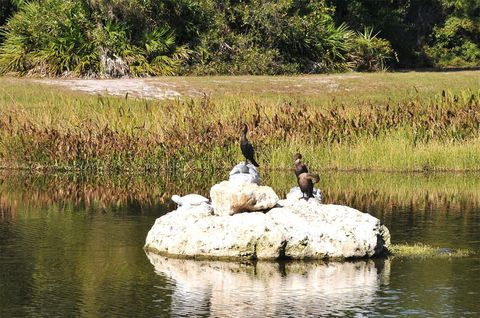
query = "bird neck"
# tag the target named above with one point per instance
(244, 135)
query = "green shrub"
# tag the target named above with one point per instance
(270, 37)
(239, 57)
(47, 38)
(55, 37)
(369, 52)
(113, 38)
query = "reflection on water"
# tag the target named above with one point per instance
(96, 192)
(264, 289)
(71, 246)
(383, 193)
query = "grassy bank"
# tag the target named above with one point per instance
(400, 122)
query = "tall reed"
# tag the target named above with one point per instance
(71, 132)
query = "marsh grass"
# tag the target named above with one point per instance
(322, 90)
(49, 129)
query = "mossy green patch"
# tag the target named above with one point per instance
(419, 250)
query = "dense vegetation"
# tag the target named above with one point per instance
(437, 33)
(134, 37)
(405, 131)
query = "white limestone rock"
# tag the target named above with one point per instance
(296, 229)
(229, 198)
(244, 173)
(334, 231)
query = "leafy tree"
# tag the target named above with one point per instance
(406, 24)
(456, 42)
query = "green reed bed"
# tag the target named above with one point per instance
(46, 128)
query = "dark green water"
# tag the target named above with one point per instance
(71, 246)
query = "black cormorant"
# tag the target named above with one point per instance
(247, 148)
(304, 178)
(305, 182)
(299, 166)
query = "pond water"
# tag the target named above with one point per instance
(71, 246)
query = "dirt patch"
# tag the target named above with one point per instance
(138, 88)
(161, 88)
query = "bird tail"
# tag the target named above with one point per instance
(254, 162)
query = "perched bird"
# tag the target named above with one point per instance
(299, 166)
(247, 148)
(305, 179)
(189, 200)
(305, 182)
